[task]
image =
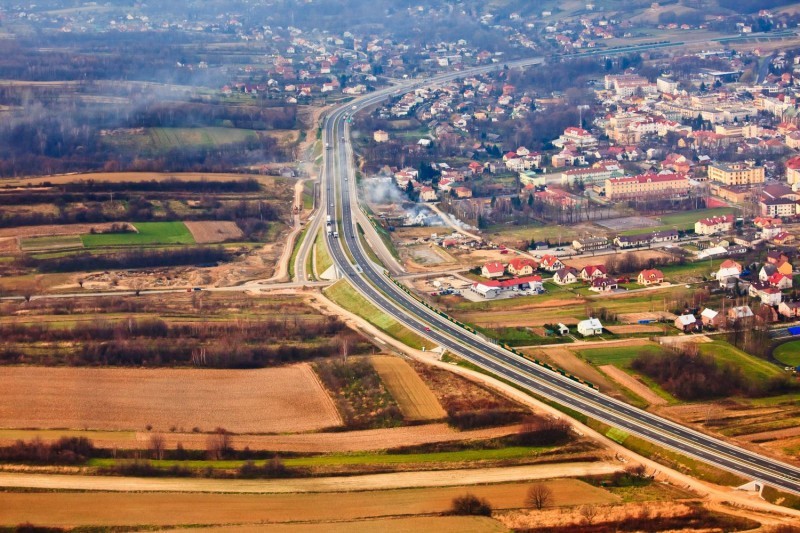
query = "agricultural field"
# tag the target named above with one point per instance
(147, 233)
(415, 399)
(208, 232)
(159, 140)
(275, 400)
(143, 220)
(169, 509)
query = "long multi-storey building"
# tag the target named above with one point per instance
(647, 186)
(736, 173)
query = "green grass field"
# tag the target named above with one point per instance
(751, 366)
(620, 356)
(788, 354)
(345, 295)
(681, 221)
(148, 233)
(165, 139)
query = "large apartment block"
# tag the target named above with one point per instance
(736, 173)
(647, 186)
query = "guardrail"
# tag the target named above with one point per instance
(472, 330)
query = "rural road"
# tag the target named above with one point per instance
(399, 480)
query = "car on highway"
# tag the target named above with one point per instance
(427, 328)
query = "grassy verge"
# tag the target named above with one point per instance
(669, 458)
(323, 258)
(367, 248)
(345, 295)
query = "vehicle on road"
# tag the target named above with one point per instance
(335, 234)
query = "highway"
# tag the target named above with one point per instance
(371, 281)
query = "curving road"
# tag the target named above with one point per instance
(370, 279)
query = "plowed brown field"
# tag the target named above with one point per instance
(207, 232)
(273, 400)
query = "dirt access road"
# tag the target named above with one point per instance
(400, 480)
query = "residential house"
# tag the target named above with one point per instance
(590, 244)
(686, 323)
(775, 256)
(590, 327)
(463, 192)
(789, 309)
(522, 266)
(604, 284)
(428, 194)
(712, 225)
(780, 281)
(740, 313)
(565, 276)
(650, 276)
(727, 270)
(712, 318)
(492, 288)
(770, 296)
(551, 263)
(493, 269)
(380, 136)
(591, 272)
(783, 238)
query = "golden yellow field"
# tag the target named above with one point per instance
(274, 400)
(415, 399)
(106, 509)
(211, 231)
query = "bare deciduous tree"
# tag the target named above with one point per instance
(157, 445)
(539, 496)
(589, 513)
(218, 444)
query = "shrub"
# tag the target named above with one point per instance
(469, 504)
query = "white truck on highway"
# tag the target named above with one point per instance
(329, 219)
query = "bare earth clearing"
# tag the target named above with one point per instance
(397, 480)
(258, 401)
(633, 384)
(415, 399)
(22, 232)
(208, 232)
